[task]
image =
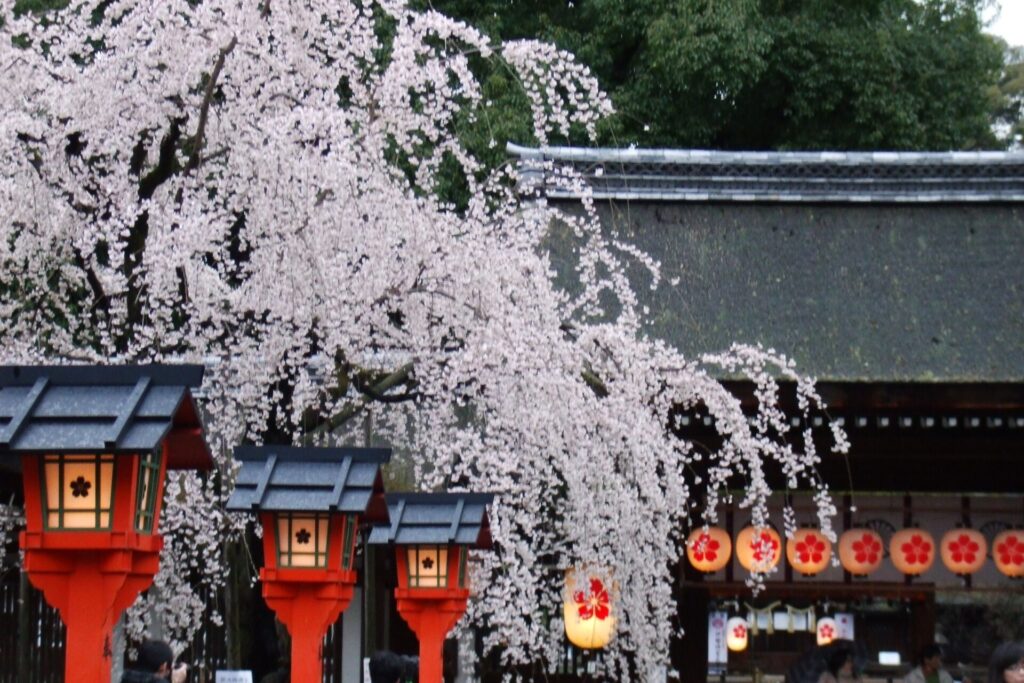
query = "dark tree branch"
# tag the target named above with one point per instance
(204, 110)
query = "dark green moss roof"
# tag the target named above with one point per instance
(880, 292)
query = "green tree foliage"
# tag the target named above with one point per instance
(769, 74)
(1008, 99)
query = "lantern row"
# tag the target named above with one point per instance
(826, 630)
(912, 551)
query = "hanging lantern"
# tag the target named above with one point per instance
(912, 551)
(737, 634)
(1008, 552)
(860, 551)
(709, 549)
(589, 622)
(758, 550)
(808, 551)
(963, 550)
(827, 630)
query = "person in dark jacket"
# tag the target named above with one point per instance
(155, 664)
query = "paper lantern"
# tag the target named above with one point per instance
(589, 621)
(736, 634)
(860, 551)
(758, 550)
(709, 550)
(1008, 552)
(912, 551)
(808, 551)
(963, 550)
(827, 630)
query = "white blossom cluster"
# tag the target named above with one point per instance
(253, 185)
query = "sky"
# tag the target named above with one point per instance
(1009, 24)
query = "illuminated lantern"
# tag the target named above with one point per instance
(736, 634)
(587, 610)
(808, 551)
(860, 551)
(758, 550)
(827, 630)
(963, 550)
(912, 551)
(93, 445)
(709, 550)
(1008, 552)
(310, 502)
(431, 534)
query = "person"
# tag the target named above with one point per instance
(838, 666)
(929, 667)
(1007, 664)
(386, 667)
(155, 664)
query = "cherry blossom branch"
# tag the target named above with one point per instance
(204, 110)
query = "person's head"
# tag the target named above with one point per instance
(840, 661)
(386, 667)
(156, 657)
(1007, 664)
(930, 659)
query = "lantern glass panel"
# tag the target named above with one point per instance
(463, 573)
(428, 566)
(302, 540)
(145, 497)
(78, 491)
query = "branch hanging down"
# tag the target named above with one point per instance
(204, 111)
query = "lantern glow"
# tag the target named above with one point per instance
(912, 551)
(963, 551)
(1008, 552)
(758, 550)
(808, 551)
(860, 551)
(302, 540)
(709, 549)
(78, 491)
(827, 631)
(737, 634)
(587, 610)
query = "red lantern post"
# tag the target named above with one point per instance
(432, 534)
(310, 503)
(94, 444)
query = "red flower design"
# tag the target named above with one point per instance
(827, 632)
(868, 549)
(810, 549)
(765, 547)
(916, 550)
(963, 549)
(595, 604)
(739, 631)
(1011, 550)
(705, 548)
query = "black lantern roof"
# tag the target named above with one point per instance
(307, 479)
(101, 409)
(436, 519)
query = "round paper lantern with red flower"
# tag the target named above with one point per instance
(827, 631)
(912, 551)
(860, 551)
(758, 550)
(808, 551)
(587, 610)
(1008, 552)
(963, 550)
(709, 549)
(737, 634)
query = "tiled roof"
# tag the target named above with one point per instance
(700, 175)
(101, 409)
(436, 519)
(305, 479)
